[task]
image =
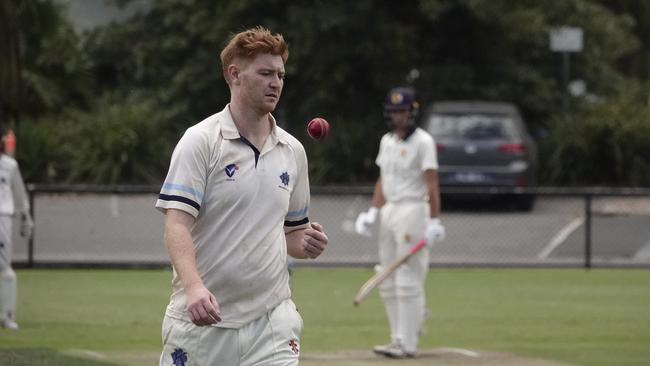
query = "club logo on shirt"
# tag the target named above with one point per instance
(179, 357)
(294, 346)
(284, 177)
(407, 238)
(231, 169)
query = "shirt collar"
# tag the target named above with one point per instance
(409, 133)
(230, 132)
(228, 127)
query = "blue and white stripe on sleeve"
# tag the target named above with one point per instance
(297, 217)
(180, 197)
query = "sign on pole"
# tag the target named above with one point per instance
(566, 39)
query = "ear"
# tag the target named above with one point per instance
(233, 73)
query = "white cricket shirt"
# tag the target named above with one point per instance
(11, 187)
(402, 162)
(244, 202)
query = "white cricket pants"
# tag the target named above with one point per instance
(402, 226)
(7, 274)
(271, 340)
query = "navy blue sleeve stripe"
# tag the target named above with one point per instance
(187, 201)
(297, 223)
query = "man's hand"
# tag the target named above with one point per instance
(434, 231)
(202, 305)
(26, 225)
(364, 220)
(314, 240)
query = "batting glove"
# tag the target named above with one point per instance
(26, 225)
(434, 231)
(365, 219)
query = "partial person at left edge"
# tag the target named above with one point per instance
(236, 200)
(13, 201)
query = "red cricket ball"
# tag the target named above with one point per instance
(318, 128)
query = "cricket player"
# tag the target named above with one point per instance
(236, 200)
(13, 201)
(406, 196)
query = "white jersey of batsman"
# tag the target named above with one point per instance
(13, 196)
(403, 219)
(401, 163)
(244, 202)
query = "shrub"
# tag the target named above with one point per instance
(601, 144)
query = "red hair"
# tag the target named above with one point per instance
(250, 43)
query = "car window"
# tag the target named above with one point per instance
(471, 126)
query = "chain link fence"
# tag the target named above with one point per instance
(117, 226)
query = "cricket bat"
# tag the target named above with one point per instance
(380, 276)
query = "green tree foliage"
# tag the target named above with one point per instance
(344, 56)
(117, 141)
(602, 144)
(42, 68)
(500, 50)
(43, 150)
(636, 63)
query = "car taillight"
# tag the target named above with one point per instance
(521, 182)
(512, 148)
(440, 147)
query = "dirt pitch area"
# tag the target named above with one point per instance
(427, 357)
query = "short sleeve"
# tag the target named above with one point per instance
(380, 160)
(428, 152)
(21, 200)
(298, 215)
(184, 185)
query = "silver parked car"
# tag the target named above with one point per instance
(483, 144)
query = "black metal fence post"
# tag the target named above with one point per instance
(588, 198)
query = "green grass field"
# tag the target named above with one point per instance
(112, 317)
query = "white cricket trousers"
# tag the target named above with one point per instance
(271, 340)
(7, 274)
(402, 226)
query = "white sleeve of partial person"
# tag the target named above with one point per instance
(429, 155)
(21, 199)
(380, 155)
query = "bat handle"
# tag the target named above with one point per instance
(421, 244)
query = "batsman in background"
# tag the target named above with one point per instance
(236, 200)
(407, 197)
(13, 200)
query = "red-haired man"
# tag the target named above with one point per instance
(236, 199)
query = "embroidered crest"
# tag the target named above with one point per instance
(294, 346)
(407, 238)
(179, 357)
(230, 170)
(284, 177)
